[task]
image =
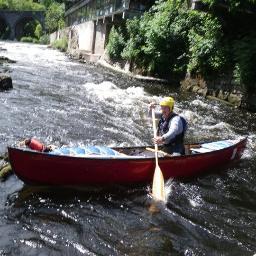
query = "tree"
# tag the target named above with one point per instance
(21, 5)
(54, 19)
(4, 4)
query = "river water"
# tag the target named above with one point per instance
(60, 101)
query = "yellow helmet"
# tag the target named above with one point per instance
(167, 102)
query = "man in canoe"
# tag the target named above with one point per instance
(171, 128)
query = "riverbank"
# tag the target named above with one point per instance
(117, 68)
(220, 89)
(103, 61)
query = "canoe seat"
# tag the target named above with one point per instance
(213, 146)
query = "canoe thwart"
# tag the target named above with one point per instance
(159, 151)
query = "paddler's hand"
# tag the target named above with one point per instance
(158, 140)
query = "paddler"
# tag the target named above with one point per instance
(171, 128)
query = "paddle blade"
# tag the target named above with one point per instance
(158, 191)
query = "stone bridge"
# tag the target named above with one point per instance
(16, 20)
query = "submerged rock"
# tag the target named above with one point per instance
(235, 98)
(5, 82)
(5, 167)
(6, 60)
(5, 171)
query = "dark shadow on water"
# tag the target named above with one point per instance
(65, 194)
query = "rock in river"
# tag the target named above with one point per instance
(5, 82)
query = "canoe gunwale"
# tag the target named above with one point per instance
(132, 158)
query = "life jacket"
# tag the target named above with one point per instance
(178, 140)
(35, 145)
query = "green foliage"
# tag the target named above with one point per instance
(4, 31)
(116, 43)
(30, 28)
(206, 52)
(27, 39)
(61, 44)
(44, 39)
(132, 47)
(170, 40)
(21, 5)
(245, 59)
(133, 50)
(46, 3)
(153, 40)
(164, 47)
(4, 4)
(38, 31)
(54, 18)
(232, 5)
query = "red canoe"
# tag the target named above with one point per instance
(34, 167)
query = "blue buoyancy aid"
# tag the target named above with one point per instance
(177, 143)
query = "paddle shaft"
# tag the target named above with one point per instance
(158, 191)
(155, 134)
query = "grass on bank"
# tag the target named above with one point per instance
(44, 39)
(60, 44)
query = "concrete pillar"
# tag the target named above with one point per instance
(100, 37)
(94, 37)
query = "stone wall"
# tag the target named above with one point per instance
(223, 91)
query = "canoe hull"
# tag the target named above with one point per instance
(45, 169)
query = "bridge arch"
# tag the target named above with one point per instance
(5, 29)
(25, 26)
(16, 20)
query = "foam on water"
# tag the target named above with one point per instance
(121, 108)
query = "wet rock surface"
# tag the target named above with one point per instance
(5, 82)
(224, 93)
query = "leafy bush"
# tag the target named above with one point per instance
(54, 18)
(232, 5)
(27, 39)
(133, 50)
(245, 59)
(19, 5)
(157, 42)
(44, 39)
(4, 4)
(207, 54)
(38, 31)
(164, 47)
(61, 44)
(116, 43)
(35, 41)
(171, 39)
(30, 28)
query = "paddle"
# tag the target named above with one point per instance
(159, 151)
(158, 191)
